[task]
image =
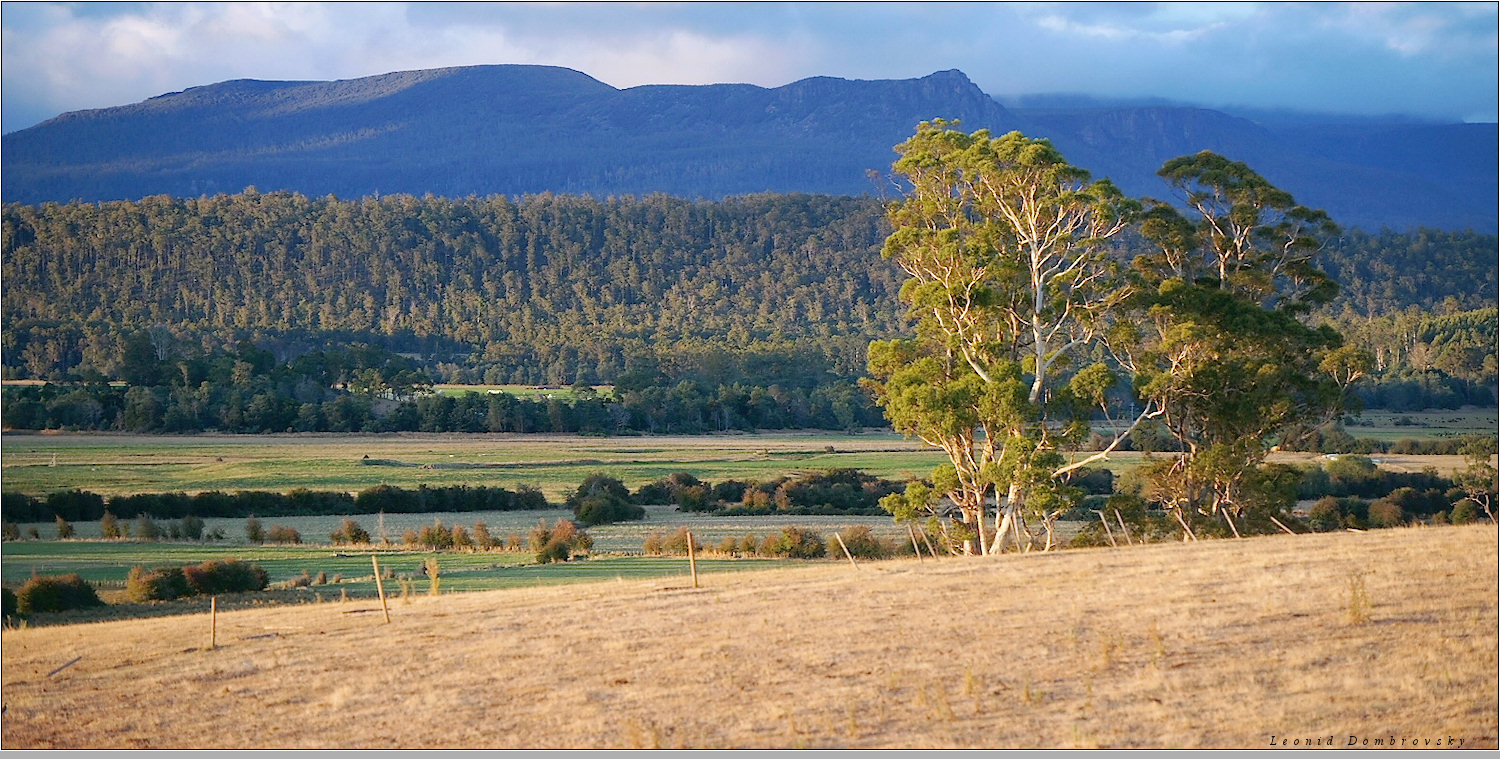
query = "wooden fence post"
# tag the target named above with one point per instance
(1107, 533)
(380, 589)
(213, 622)
(840, 539)
(1128, 541)
(692, 559)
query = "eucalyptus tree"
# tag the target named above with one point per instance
(1228, 356)
(1013, 291)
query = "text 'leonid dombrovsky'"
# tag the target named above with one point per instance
(1384, 741)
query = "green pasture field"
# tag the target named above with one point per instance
(1391, 426)
(627, 537)
(116, 464)
(107, 564)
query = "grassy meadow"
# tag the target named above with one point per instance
(123, 464)
(1381, 635)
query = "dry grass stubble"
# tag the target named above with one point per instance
(1214, 644)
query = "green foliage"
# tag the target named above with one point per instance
(602, 499)
(227, 576)
(161, 584)
(64, 529)
(795, 543)
(561, 542)
(55, 593)
(349, 532)
(283, 534)
(863, 543)
(254, 532)
(1228, 359)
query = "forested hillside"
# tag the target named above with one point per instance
(750, 311)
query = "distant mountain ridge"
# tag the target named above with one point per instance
(518, 129)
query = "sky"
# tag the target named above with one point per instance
(1435, 61)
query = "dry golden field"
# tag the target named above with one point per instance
(1387, 635)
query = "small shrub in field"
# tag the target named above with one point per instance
(651, 546)
(64, 529)
(55, 593)
(482, 538)
(1440, 518)
(729, 546)
(677, 544)
(305, 580)
(283, 534)
(351, 533)
(146, 528)
(253, 531)
(560, 543)
(1324, 515)
(190, 527)
(513, 541)
(749, 545)
(10, 531)
(601, 499)
(1464, 512)
(321, 579)
(864, 544)
(161, 584)
(461, 539)
(1384, 513)
(227, 576)
(798, 543)
(769, 546)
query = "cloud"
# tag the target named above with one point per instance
(1434, 59)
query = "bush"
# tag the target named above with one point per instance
(1384, 513)
(283, 534)
(864, 544)
(64, 529)
(161, 584)
(601, 499)
(227, 576)
(677, 544)
(253, 531)
(1464, 512)
(561, 542)
(55, 593)
(349, 532)
(797, 543)
(8, 604)
(109, 527)
(1325, 516)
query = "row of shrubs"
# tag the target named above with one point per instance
(791, 543)
(207, 579)
(55, 593)
(81, 505)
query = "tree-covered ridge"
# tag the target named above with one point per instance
(545, 288)
(759, 290)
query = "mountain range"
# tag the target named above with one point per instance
(520, 129)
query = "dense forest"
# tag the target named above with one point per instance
(275, 311)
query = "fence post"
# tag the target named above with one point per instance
(380, 589)
(850, 556)
(213, 622)
(692, 558)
